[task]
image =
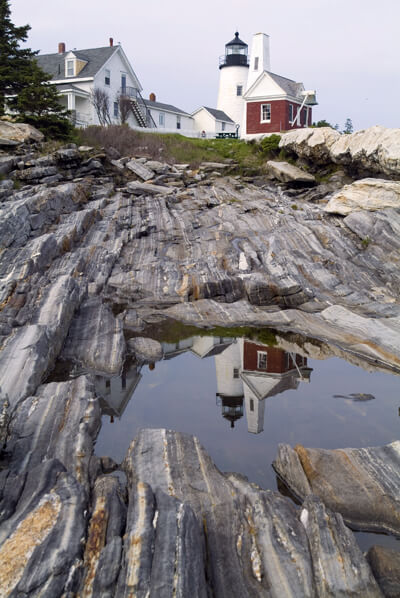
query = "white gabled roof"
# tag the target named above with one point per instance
(272, 85)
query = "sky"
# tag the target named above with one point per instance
(347, 50)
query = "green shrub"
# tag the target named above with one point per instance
(270, 144)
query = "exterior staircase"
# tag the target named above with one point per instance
(138, 114)
(138, 107)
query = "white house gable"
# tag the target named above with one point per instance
(263, 87)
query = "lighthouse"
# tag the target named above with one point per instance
(234, 68)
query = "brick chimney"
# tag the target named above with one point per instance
(111, 42)
(152, 97)
(61, 48)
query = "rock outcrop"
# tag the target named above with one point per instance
(90, 254)
(14, 134)
(361, 484)
(365, 194)
(287, 173)
(374, 150)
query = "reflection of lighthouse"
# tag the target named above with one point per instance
(229, 383)
(253, 372)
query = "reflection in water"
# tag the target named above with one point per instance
(356, 396)
(247, 374)
(251, 372)
(256, 386)
(115, 393)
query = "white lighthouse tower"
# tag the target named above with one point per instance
(234, 67)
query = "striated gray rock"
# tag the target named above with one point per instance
(140, 170)
(147, 189)
(30, 353)
(80, 262)
(95, 339)
(385, 565)
(251, 542)
(366, 194)
(104, 544)
(40, 541)
(287, 173)
(361, 484)
(347, 575)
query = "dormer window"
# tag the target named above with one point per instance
(70, 68)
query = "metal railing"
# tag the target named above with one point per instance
(134, 94)
(234, 60)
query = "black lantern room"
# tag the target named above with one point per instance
(235, 53)
(231, 407)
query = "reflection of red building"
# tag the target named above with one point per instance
(260, 358)
(249, 372)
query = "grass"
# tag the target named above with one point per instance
(173, 148)
(365, 242)
(172, 331)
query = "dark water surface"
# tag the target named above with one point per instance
(204, 385)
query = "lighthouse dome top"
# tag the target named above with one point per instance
(236, 41)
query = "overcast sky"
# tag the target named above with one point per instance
(348, 50)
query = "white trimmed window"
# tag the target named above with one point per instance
(116, 109)
(262, 360)
(239, 90)
(265, 113)
(161, 119)
(223, 126)
(107, 77)
(178, 121)
(256, 63)
(290, 113)
(70, 68)
(236, 372)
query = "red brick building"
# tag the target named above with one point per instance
(274, 104)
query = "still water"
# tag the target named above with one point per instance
(242, 398)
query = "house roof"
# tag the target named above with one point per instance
(292, 88)
(288, 86)
(65, 86)
(166, 107)
(218, 114)
(95, 58)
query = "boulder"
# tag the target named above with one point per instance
(146, 349)
(361, 484)
(157, 167)
(365, 194)
(140, 170)
(376, 149)
(385, 565)
(287, 173)
(147, 189)
(313, 144)
(18, 133)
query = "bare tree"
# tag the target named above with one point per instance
(124, 107)
(101, 102)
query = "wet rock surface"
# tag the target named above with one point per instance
(91, 253)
